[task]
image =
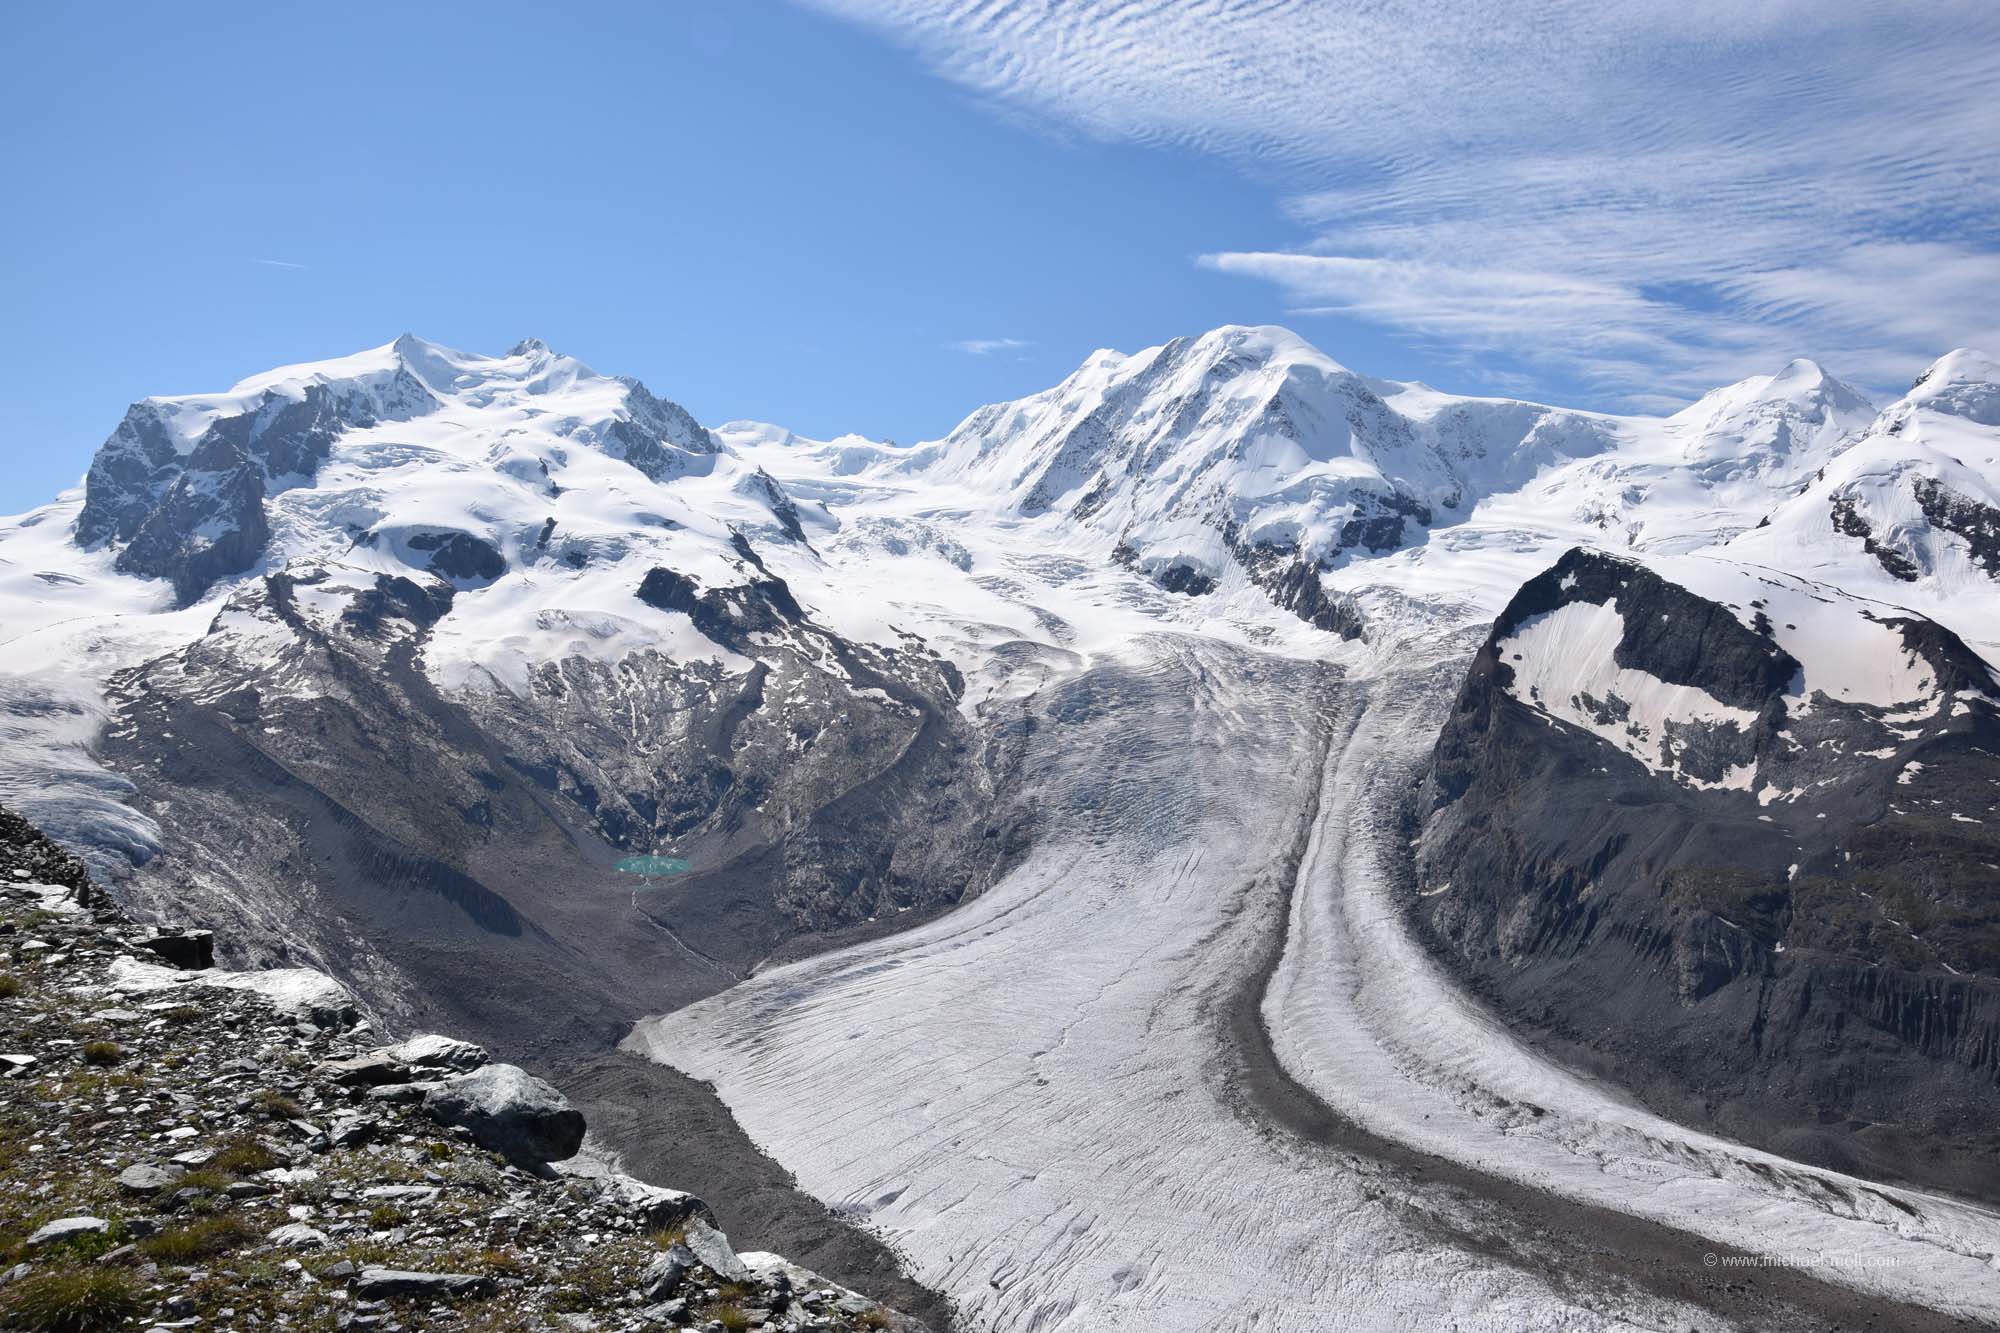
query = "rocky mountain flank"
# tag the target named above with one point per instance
(187, 1148)
(1650, 838)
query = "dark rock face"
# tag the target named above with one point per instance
(189, 950)
(1978, 524)
(781, 504)
(1848, 520)
(196, 515)
(1818, 975)
(1293, 584)
(728, 614)
(461, 556)
(1378, 522)
(450, 855)
(659, 437)
(1186, 579)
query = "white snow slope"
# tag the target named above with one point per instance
(1025, 1095)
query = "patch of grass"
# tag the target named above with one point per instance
(72, 1300)
(203, 1239)
(276, 1104)
(204, 1178)
(668, 1237)
(728, 1314)
(102, 1054)
(10, 985)
(243, 1156)
(504, 1263)
(384, 1216)
(874, 1319)
(181, 1014)
(438, 1152)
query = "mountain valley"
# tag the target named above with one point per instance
(984, 855)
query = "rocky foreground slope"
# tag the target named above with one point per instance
(186, 1148)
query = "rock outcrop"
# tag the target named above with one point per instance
(1763, 906)
(186, 1150)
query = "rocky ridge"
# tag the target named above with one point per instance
(187, 1148)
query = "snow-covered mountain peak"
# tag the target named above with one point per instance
(1766, 418)
(1961, 383)
(190, 488)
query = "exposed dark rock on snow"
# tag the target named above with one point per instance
(194, 512)
(1818, 974)
(460, 556)
(1293, 584)
(1978, 524)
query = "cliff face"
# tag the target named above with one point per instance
(1760, 906)
(238, 1149)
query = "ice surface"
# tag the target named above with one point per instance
(1028, 1096)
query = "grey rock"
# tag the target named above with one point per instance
(364, 1071)
(431, 1053)
(399, 1094)
(510, 1111)
(653, 1206)
(663, 1276)
(348, 1131)
(142, 1179)
(298, 1236)
(712, 1247)
(389, 1283)
(68, 1228)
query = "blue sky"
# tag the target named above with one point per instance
(873, 215)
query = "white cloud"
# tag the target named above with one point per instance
(277, 263)
(1650, 194)
(988, 346)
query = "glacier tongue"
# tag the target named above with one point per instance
(1035, 1098)
(1031, 1097)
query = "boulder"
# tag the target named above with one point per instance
(509, 1110)
(653, 1206)
(298, 1236)
(391, 1283)
(663, 1277)
(188, 950)
(68, 1228)
(144, 1179)
(350, 1131)
(373, 1069)
(431, 1055)
(713, 1249)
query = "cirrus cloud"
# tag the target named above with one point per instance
(1648, 195)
